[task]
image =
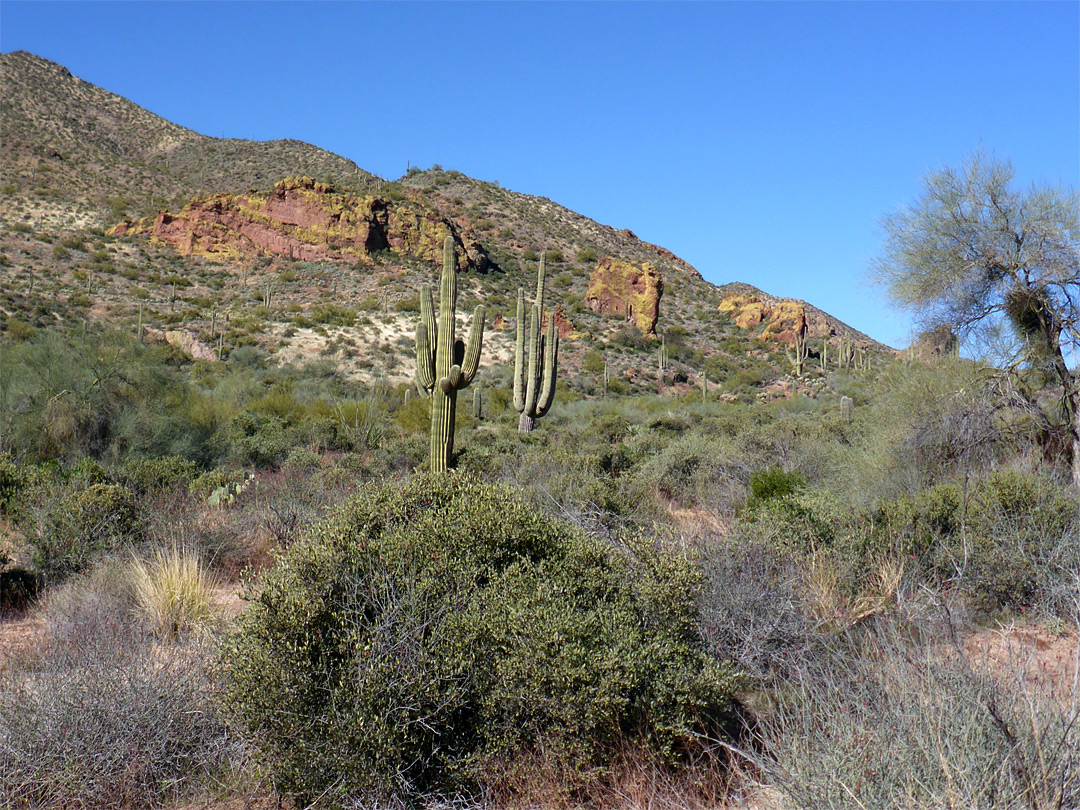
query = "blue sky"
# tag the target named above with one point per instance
(761, 142)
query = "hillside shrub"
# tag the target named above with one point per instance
(15, 479)
(73, 526)
(995, 541)
(422, 640)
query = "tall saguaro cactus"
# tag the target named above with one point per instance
(445, 365)
(534, 386)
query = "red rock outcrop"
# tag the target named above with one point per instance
(628, 290)
(562, 323)
(783, 319)
(308, 221)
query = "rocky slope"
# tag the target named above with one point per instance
(287, 247)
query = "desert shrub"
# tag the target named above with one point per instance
(256, 439)
(751, 607)
(15, 480)
(994, 540)
(19, 330)
(805, 522)
(415, 415)
(423, 638)
(205, 484)
(147, 476)
(99, 716)
(301, 459)
(75, 526)
(696, 470)
(773, 482)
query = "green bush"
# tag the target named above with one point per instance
(426, 637)
(772, 483)
(146, 476)
(75, 526)
(15, 479)
(994, 542)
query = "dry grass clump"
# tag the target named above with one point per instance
(895, 716)
(173, 592)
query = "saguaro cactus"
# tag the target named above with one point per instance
(534, 386)
(799, 355)
(445, 365)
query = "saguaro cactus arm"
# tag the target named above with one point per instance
(551, 354)
(534, 384)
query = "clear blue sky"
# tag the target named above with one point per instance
(759, 141)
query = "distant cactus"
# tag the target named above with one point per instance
(477, 404)
(449, 365)
(845, 408)
(607, 378)
(799, 354)
(534, 385)
(845, 353)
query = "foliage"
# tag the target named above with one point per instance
(73, 525)
(426, 636)
(982, 256)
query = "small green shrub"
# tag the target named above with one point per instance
(76, 526)
(426, 637)
(771, 483)
(15, 480)
(146, 476)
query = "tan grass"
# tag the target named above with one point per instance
(173, 592)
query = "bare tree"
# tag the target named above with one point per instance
(989, 259)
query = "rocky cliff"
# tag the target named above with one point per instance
(309, 221)
(632, 291)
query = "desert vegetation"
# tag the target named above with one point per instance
(243, 563)
(664, 598)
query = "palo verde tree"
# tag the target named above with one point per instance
(990, 259)
(445, 365)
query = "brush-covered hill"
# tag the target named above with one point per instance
(110, 213)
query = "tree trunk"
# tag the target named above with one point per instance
(526, 423)
(1074, 429)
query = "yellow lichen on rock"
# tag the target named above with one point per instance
(306, 220)
(629, 290)
(782, 319)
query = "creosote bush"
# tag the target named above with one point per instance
(423, 641)
(74, 525)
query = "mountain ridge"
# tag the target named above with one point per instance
(77, 156)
